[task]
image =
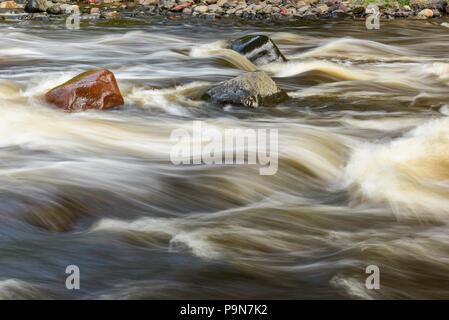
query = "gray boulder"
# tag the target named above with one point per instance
(55, 9)
(252, 89)
(33, 6)
(258, 49)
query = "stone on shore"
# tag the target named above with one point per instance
(33, 6)
(258, 49)
(418, 4)
(8, 5)
(112, 15)
(252, 89)
(55, 9)
(201, 9)
(148, 2)
(425, 14)
(95, 89)
(180, 7)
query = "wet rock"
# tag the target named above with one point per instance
(187, 11)
(95, 89)
(425, 14)
(214, 8)
(95, 11)
(201, 9)
(33, 6)
(8, 5)
(259, 49)
(252, 89)
(54, 9)
(438, 5)
(112, 15)
(303, 10)
(359, 10)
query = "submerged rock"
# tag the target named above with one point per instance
(95, 89)
(258, 49)
(252, 89)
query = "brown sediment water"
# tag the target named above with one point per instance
(362, 178)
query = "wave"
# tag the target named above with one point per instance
(409, 174)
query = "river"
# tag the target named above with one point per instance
(363, 175)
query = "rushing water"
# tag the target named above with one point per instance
(363, 174)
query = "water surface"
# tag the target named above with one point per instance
(363, 174)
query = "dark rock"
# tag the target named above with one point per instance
(259, 49)
(252, 89)
(310, 15)
(358, 10)
(339, 14)
(95, 89)
(438, 5)
(33, 6)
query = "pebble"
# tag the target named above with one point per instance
(249, 9)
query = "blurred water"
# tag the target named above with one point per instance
(362, 179)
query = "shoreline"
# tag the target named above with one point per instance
(250, 10)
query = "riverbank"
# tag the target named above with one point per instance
(216, 9)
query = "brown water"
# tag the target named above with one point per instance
(363, 174)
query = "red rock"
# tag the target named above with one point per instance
(181, 6)
(95, 89)
(283, 11)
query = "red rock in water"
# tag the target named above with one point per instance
(283, 11)
(95, 89)
(180, 7)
